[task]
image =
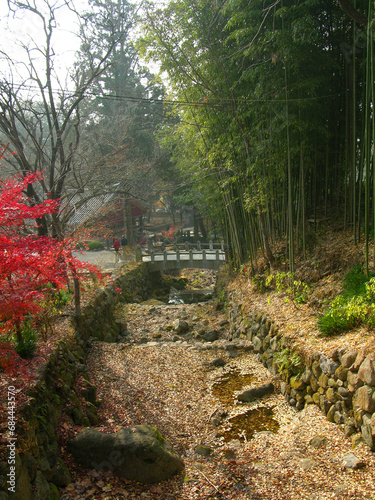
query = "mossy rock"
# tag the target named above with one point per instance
(61, 475)
(54, 492)
(23, 485)
(41, 488)
(139, 453)
(92, 414)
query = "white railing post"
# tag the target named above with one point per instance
(211, 245)
(150, 245)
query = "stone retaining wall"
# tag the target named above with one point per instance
(342, 385)
(133, 285)
(63, 386)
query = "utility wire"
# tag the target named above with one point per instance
(169, 102)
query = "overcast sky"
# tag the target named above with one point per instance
(22, 29)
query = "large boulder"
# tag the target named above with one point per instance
(256, 393)
(138, 453)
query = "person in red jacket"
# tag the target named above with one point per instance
(116, 246)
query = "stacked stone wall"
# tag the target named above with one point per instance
(63, 386)
(342, 384)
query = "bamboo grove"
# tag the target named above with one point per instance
(271, 108)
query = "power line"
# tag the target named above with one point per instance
(183, 103)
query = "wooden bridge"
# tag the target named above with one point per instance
(187, 255)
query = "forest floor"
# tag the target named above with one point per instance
(173, 384)
(265, 450)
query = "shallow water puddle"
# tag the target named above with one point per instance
(230, 382)
(247, 424)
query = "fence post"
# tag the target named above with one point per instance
(211, 245)
(150, 245)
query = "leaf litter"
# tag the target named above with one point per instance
(167, 383)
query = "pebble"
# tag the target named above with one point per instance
(350, 461)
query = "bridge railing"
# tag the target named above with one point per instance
(186, 246)
(183, 255)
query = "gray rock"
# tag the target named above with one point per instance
(136, 453)
(229, 454)
(210, 336)
(42, 488)
(364, 398)
(203, 450)
(256, 393)
(353, 381)
(348, 358)
(181, 326)
(258, 344)
(318, 441)
(23, 486)
(218, 362)
(61, 475)
(358, 360)
(349, 430)
(350, 461)
(306, 376)
(88, 391)
(327, 365)
(366, 430)
(366, 372)
(344, 393)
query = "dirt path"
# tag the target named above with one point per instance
(170, 381)
(104, 259)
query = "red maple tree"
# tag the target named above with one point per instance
(31, 266)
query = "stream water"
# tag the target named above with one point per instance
(189, 296)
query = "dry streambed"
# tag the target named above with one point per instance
(167, 377)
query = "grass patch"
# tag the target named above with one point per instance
(355, 306)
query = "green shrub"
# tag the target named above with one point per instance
(355, 282)
(287, 359)
(27, 346)
(95, 245)
(298, 291)
(62, 297)
(355, 306)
